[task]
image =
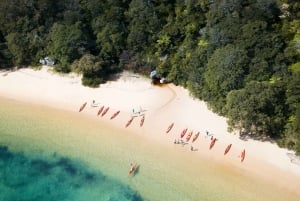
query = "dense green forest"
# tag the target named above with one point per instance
(240, 56)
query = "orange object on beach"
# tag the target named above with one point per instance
(105, 111)
(170, 127)
(142, 121)
(115, 114)
(212, 143)
(100, 110)
(227, 149)
(243, 154)
(129, 122)
(133, 169)
(196, 136)
(82, 106)
(188, 137)
(183, 132)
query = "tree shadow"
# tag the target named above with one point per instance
(254, 136)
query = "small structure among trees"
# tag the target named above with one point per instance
(156, 79)
(47, 61)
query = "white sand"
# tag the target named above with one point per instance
(162, 105)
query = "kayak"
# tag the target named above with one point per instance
(115, 114)
(227, 149)
(100, 110)
(196, 136)
(142, 121)
(212, 143)
(105, 111)
(188, 137)
(170, 127)
(129, 122)
(82, 106)
(243, 155)
(183, 132)
(133, 169)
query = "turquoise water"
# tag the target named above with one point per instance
(32, 178)
(49, 154)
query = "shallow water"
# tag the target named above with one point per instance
(24, 177)
(48, 154)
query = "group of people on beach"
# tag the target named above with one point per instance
(180, 141)
(94, 104)
(138, 112)
(183, 143)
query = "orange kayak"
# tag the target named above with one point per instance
(243, 155)
(105, 111)
(115, 114)
(212, 143)
(227, 149)
(170, 127)
(100, 110)
(82, 106)
(188, 137)
(129, 122)
(133, 169)
(183, 132)
(142, 121)
(196, 136)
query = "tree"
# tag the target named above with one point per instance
(17, 43)
(143, 23)
(225, 72)
(66, 43)
(91, 68)
(258, 109)
(5, 56)
(293, 100)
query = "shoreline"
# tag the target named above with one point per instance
(163, 105)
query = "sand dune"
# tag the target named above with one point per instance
(134, 95)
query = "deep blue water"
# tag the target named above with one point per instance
(32, 178)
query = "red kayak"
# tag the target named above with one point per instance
(227, 149)
(133, 169)
(129, 122)
(212, 143)
(188, 137)
(105, 111)
(170, 127)
(100, 110)
(142, 121)
(115, 114)
(183, 132)
(82, 106)
(196, 136)
(243, 155)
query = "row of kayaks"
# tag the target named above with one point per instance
(132, 118)
(212, 143)
(102, 111)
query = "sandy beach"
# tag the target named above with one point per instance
(134, 95)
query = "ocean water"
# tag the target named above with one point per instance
(49, 154)
(32, 178)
